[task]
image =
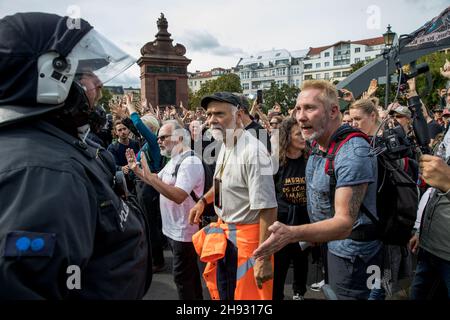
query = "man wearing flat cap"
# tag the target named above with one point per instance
(244, 200)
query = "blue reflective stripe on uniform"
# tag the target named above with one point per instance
(243, 268)
(232, 233)
(213, 230)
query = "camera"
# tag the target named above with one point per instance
(396, 143)
(412, 71)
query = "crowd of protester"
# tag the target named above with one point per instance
(237, 194)
(138, 126)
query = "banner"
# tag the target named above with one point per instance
(434, 33)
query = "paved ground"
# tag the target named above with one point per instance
(163, 287)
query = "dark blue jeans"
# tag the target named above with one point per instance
(348, 279)
(432, 275)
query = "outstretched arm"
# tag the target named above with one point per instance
(347, 203)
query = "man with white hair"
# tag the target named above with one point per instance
(244, 199)
(175, 187)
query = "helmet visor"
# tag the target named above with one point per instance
(94, 54)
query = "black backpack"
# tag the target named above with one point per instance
(397, 195)
(209, 215)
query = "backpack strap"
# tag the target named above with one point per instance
(177, 167)
(335, 146)
(364, 232)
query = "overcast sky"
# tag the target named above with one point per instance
(218, 33)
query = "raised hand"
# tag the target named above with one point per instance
(373, 86)
(132, 163)
(348, 95)
(445, 71)
(277, 108)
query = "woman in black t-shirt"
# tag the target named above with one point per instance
(290, 185)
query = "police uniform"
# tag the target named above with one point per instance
(58, 212)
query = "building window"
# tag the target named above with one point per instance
(318, 65)
(308, 66)
(281, 71)
(367, 58)
(297, 83)
(337, 74)
(280, 83)
(357, 50)
(327, 64)
(245, 86)
(327, 54)
(273, 72)
(308, 77)
(357, 60)
(318, 76)
(195, 83)
(346, 73)
(327, 76)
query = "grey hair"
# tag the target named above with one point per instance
(180, 131)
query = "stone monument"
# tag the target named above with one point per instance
(164, 69)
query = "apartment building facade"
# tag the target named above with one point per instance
(332, 62)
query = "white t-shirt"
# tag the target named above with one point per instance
(247, 181)
(191, 176)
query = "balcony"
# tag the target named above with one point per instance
(341, 57)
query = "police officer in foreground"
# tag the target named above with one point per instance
(64, 231)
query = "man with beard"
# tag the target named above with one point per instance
(338, 223)
(244, 199)
(175, 188)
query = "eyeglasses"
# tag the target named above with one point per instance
(272, 124)
(399, 116)
(162, 138)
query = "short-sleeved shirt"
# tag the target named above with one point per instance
(175, 217)
(353, 166)
(290, 187)
(247, 182)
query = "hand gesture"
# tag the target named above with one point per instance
(128, 103)
(118, 111)
(173, 112)
(125, 169)
(445, 71)
(196, 212)
(412, 85)
(262, 271)
(182, 107)
(277, 108)
(131, 159)
(348, 95)
(280, 237)
(373, 86)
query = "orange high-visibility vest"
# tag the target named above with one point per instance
(210, 244)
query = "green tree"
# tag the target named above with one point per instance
(106, 97)
(435, 61)
(284, 95)
(358, 65)
(228, 82)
